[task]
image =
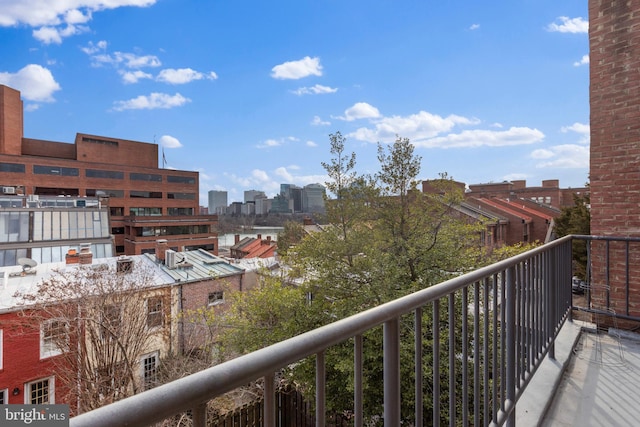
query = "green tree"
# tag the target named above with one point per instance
(576, 219)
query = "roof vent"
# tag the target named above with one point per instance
(124, 265)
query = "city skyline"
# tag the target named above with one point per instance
(247, 94)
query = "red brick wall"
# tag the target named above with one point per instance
(11, 121)
(615, 136)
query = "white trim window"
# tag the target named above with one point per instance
(53, 337)
(149, 367)
(4, 397)
(155, 312)
(40, 392)
(215, 298)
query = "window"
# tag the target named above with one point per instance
(99, 141)
(96, 192)
(145, 211)
(183, 196)
(97, 173)
(216, 298)
(154, 312)
(145, 194)
(12, 167)
(53, 335)
(111, 320)
(39, 392)
(179, 211)
(54, 170)
(149, 364)
(4, 398)
(117, 230)
(145, 177)
(181, 179)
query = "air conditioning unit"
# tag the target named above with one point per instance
(9, 190)
(170, 258)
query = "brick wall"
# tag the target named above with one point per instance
(615, 136)
(11, 121)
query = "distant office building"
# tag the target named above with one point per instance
(251, 195)
(126, 172)
(313, 198)
(280, 204)
(217, 202)
(294, 194)
(263, 206)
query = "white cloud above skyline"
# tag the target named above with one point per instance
(564, 24)
(168, 141)
(183, 75)
(34, 82)
(583, 61)
(315, 90)
(293, 70)
(360, 110)
(153, 101)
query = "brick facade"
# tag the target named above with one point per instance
(615, 139)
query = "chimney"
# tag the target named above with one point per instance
(268, 240)
(85, 256)
(307, 221)
(72, 257)
(259, 236)
(161, 248)
(237, 239)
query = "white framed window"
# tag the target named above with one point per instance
(149, 365)
(40, 392)
(53, 337)
(155, 315)
(4, 397)
(215, 298)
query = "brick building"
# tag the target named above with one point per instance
(615, 141)
(126, 172)
(549, 193)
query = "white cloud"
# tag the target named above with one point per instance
(34, 82)
(127, 60)
(314, 90)
(487, 138)
(154, 101)
(55, 20)
(183, 75)
(360, 110)
(416, 127)
(583, 61)
(169, 141)
(584, 130)
(270, 143)
(565, 156)
(565, 24)
(92, 48)
(474, 27)
(294, 70)
(134, 76)
(317, 121)
(311, 144)
(542, 153)
(283, 173)
(260, 175)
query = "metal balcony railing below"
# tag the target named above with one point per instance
(490, 329)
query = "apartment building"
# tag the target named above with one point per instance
(123, 172)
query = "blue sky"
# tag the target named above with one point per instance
(247, 92)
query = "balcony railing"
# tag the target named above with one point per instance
(490, 330)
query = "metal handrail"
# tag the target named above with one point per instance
(192, 392)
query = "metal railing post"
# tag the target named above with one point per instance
(391, 332)
(419, 410)
(269, 410)
(510, 329)
(357, 382)
(321, 379)
(200, 415)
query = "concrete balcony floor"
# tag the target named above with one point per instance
(599, 385)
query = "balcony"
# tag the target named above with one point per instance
(512, 332)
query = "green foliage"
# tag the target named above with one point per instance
(576, 219)
(384, 239)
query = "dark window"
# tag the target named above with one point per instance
(116, 211)
(119, 249)
(216, 298)
(179, 211)
(117, 230)
(150, 371)
(12, 167)
(99, 141)
(94, 192)
(54, 170)
(181, 179)
(145, 177)
(145, 211)
(98, 173)
(146, 194)
(183, 196)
